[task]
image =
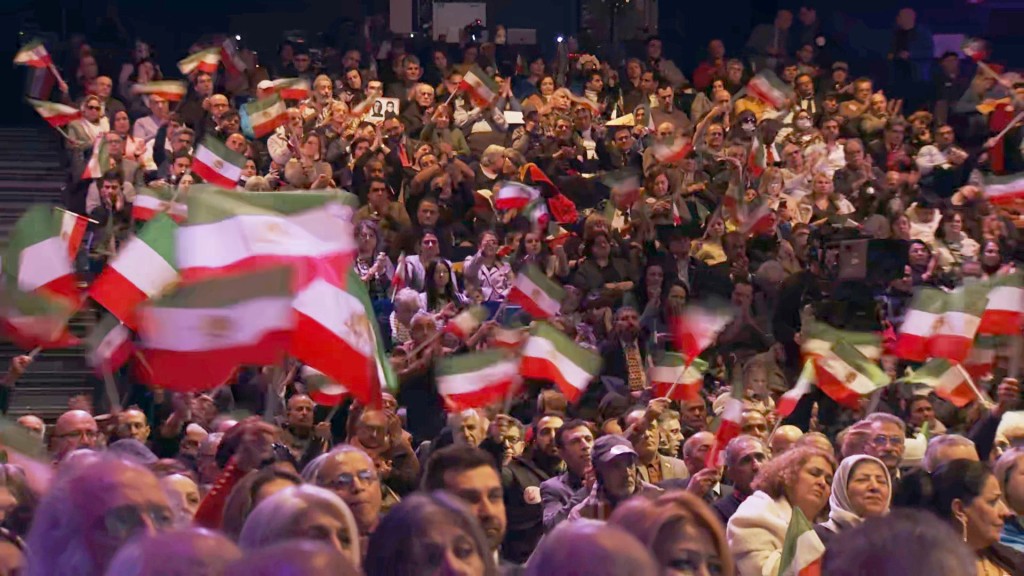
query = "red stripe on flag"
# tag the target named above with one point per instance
(337, 359)
(543, 369)
(118, 295)
(520, 298)
(204, 370)
(486, 396)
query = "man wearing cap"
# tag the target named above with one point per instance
(838, 81)
(615, 468)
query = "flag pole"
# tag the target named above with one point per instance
(987, 403)
(60, 79)
(76, 214)
(452, 96)
(111, 387)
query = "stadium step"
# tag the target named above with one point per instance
(32, 169)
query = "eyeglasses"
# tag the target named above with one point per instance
(882, 440)
(92, 108)
(346, 480)
(124, 521)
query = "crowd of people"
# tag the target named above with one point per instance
(657, 189)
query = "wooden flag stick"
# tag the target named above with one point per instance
(76, 214)
(35, 352)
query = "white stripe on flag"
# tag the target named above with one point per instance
(544, 349)
(469, 382)
(226, 169)
(204, 329)
(42, 263)
(144, 267)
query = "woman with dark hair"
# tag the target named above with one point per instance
(601, 272)
(440, 295)
(968, 496)
(308, 170)
(992, 261)
(121, 124)
(533, 250)
(952, 245)
(145, 71)
(372, 263)
(429, 533)
(252, 489)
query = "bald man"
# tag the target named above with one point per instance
(784, 438)
(34, 424)
(74, 429)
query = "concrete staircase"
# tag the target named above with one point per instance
(32, 170)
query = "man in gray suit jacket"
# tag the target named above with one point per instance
(559, 495)
(642, 431)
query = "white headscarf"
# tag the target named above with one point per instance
(841, 515)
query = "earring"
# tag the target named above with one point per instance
(963, 523)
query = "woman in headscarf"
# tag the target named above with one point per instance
(861, 489)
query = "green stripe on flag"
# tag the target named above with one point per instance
(798, 526)
(931, 300)
(160, 234)
(588, 361)
(356, 287)
(469, 363)
(969, 299)
(541, 280)
(224, 292)
(208, 204)
(221, 150)
(40, 222)
(860, 363)
(929, 373)
(105, 326)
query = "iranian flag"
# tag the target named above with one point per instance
(551, 355)
(109, 345)
(217, 164)
(39, 83)
(482, 89)
(149, 202)
(54, 113)
(949, 381)
(802, 550)
(201, 61)
(817, 338)
(401, 278)
(143, 269)
(99, 161)
(321, 389)
(1004, 189)
(72, 231)
(954, 332)
(976, 49)
(845, 375)
(672, 151)
(33, 54)
(726, 426)
(788, 401)
(624, 187)
(34, 320)
(1005, 307)
(37, 257)
(507, 338)
(170, 90)
(754, 217)
(194, 338)
(465, 323)
(337, 334)
(476, 379)
(919, 323)
(982, 359)
(231, 232)
(291, 88)
(697, 328)
(536, 293)
(515, 195)
(769, 88)
(671, 373)
(264, 115)
(233, 62)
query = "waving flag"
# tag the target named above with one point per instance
(33, 54)
(536, 293)
(817, 338)
(72, 231)
(321, 389)
(982, 359)
(787, 403)
(466, 323)
(292, 88)
(551, 355)
(152, 201)
(727, 426)
(514, 195)
(99, 161)
(802, 550)
(264, 115)
(194, 338)
(919, 324)
(202, 61)
(672, 151)
(671, 373)
(949, 381)
(233, 62)
(54, 113)
(624, 186)
(1004, 189)
(769, 88)
(109, 345)
(170, 90)
(477, 379)
(144, 268)
(31, 320)
(37, 257)
(1004, 310)
(846, 375)
(953, 333)
(697, 328)
(217, 164)
(482, 89)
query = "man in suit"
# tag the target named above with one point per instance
(744, 456)
(625, 353)
(806, 99)
(651, 466)
(559, 495)
(704, 481)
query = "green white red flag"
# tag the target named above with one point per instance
(949, 380)
(769, 88)
(697, 328)
(481, 88)
(536, 293)
(673, 151)
(33, 54)
(477, 379)
(109, 345)
(55, 113)
(149, 202)
(321, 389)
(727, 425)
(144, 268)
(217, 164)
(170, 90)
(624, 187)
(232, 232)
(846, 375)
(194, 338)
(202, 61)
(31, 320)
(515, 195)
(954, 332)
(72, 231)
(982, 359)
(788, 401)
(292, 88)
(817, 338)
(549, 354)
(466, 323)
(233, 63)
(976, 49)
(1004, 310)
(508, 338)
(99, 161)
(37, 257)
(1004, 189)
(670, 373)
(264, 115)
(802, 550)
(337, 334)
